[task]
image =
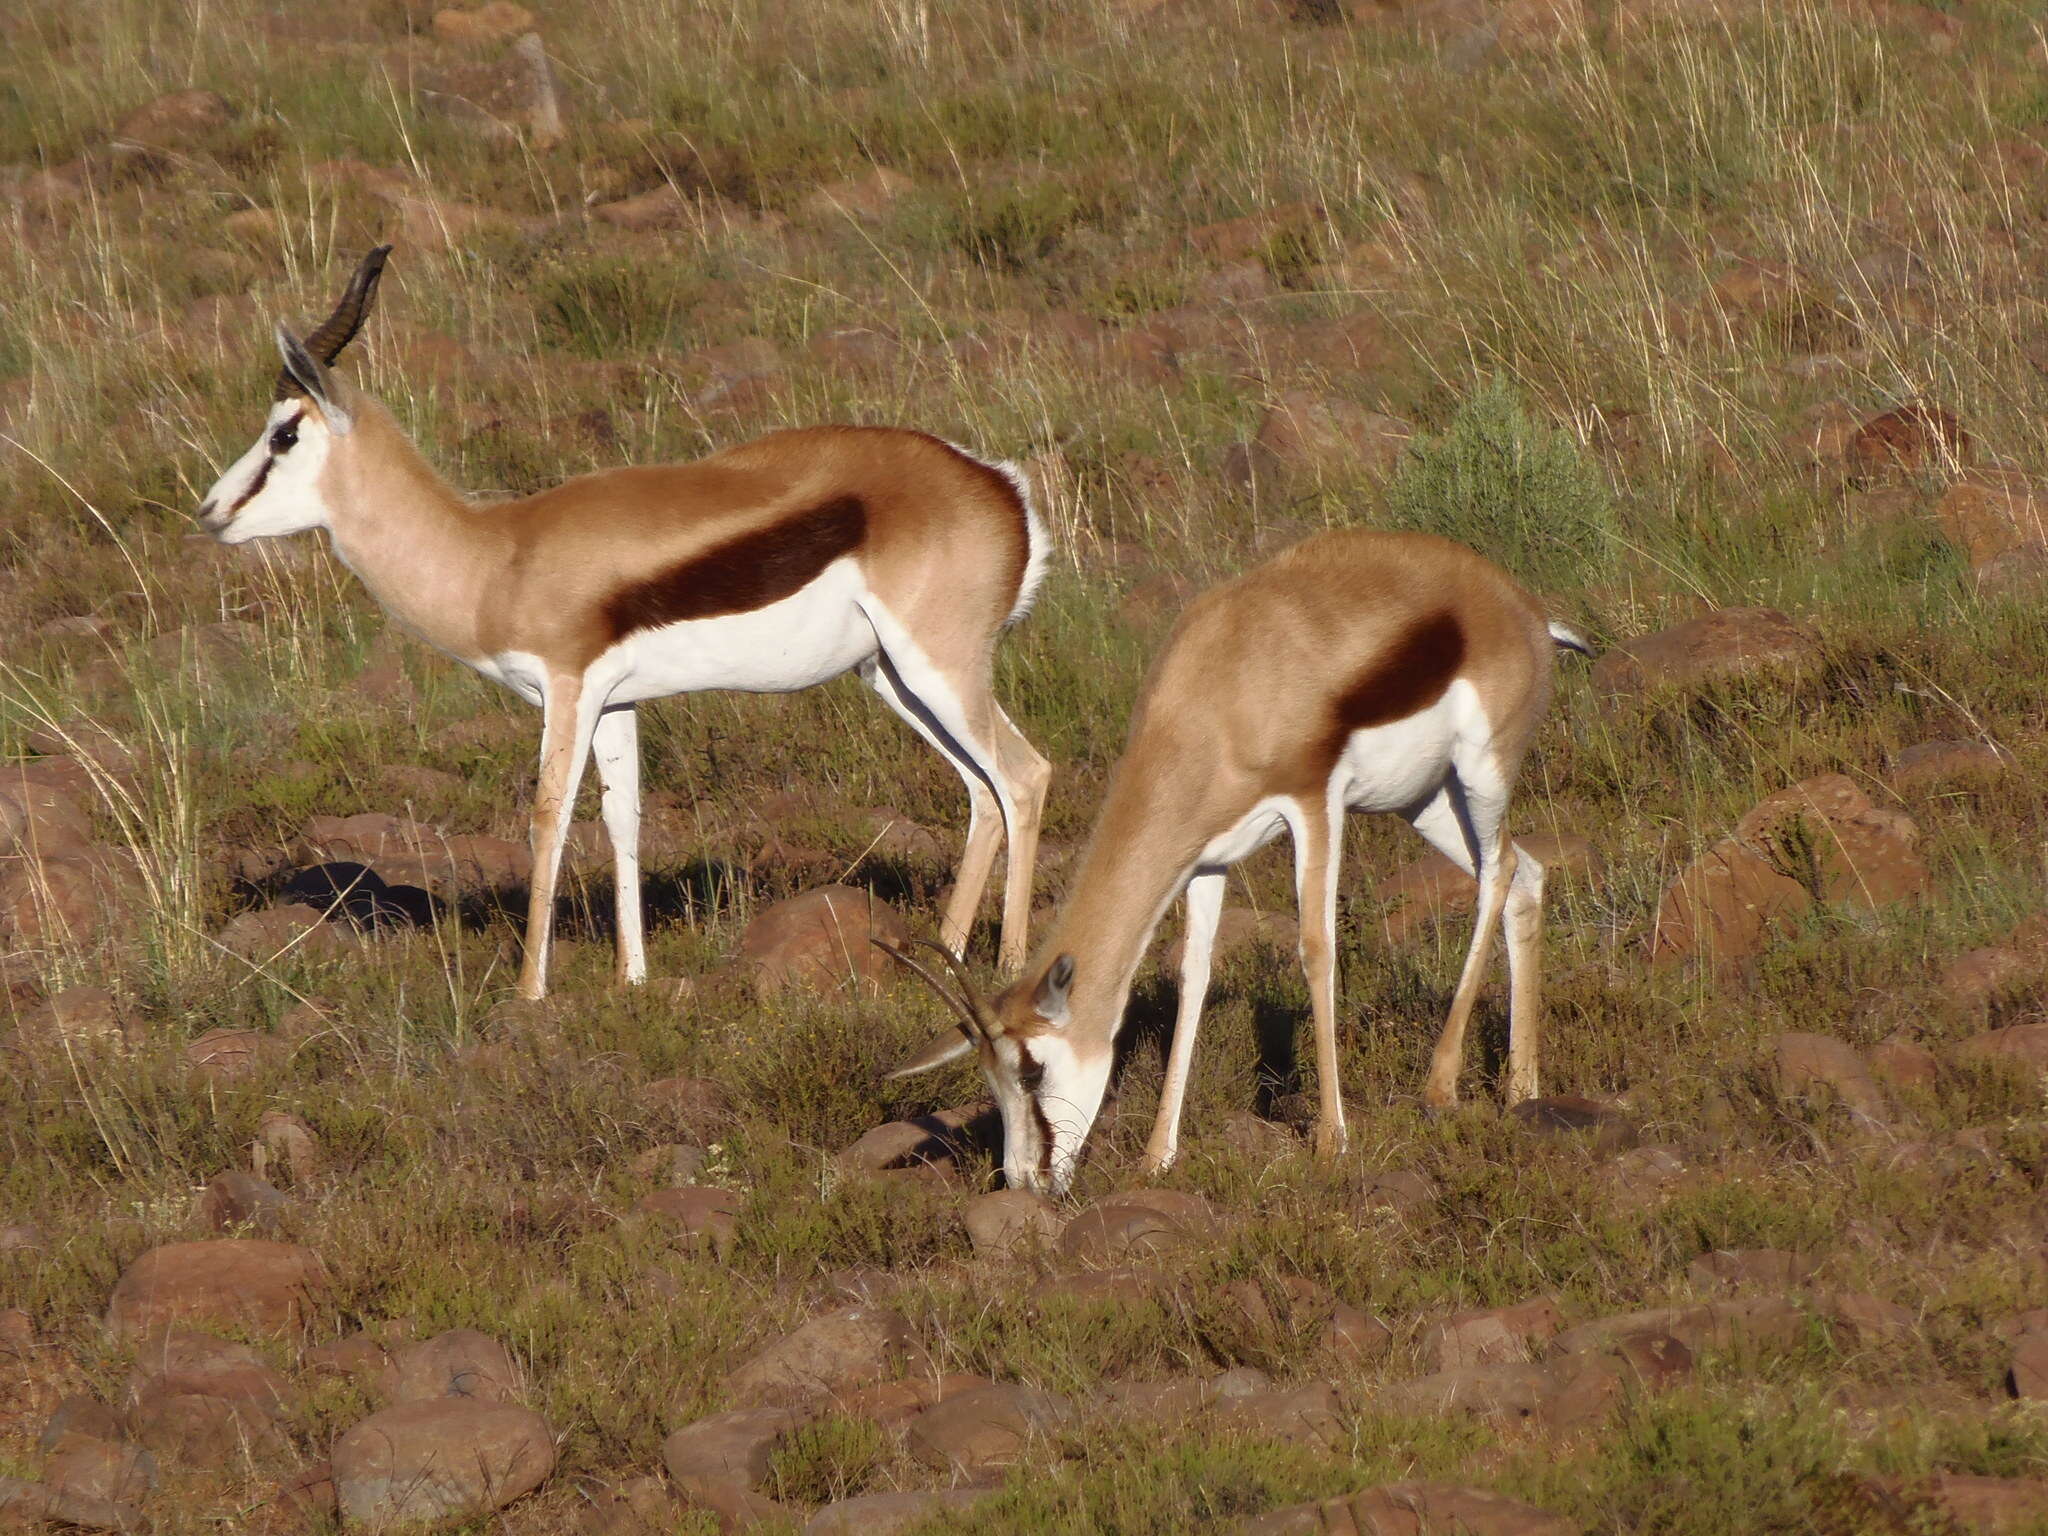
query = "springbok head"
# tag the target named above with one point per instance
(278, 486)
(1048, 1082)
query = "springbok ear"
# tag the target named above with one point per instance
(311, 375)
(950, 1045)
(1050, 1000)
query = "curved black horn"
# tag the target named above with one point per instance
(969, 1014)
(339, 328)
(957, 969)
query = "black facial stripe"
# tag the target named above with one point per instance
(1044, 1135)
(255, 485)
(1029, 1073)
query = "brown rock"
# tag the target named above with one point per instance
(293, 930)
(78, 1019)
(1974, 978)
(827, 1356)
(82, 1416)
(1492, 1336)
(447, 1460)
(1903, 1063)
(359, 1356)
(1102, 1287)
(201, 1430)
(823, 939)
(736, 1446)
(1569, 1114)
(175, 1362)
(1412, 1509)
(1869, 1319)
(983, 1430)
(934, 1140)
(1991, 513)
(1127, 1226)
(890, 1514)
(308, 1496)
(893, 1404)
(459, 1363)
(694, 1104)
(1727, 643)
(867, 196)
(486, 26)
(1724, 907)
(64, 898)
(1654, 1361)
(1403, 1190)
(1990, 1506)
(231, 1055)
(1433, 888)
(1911, 438)
(1743, 1320)
(260, 1285)
(1355, 1335)
(174, 120)
(236, 1199)
(89, 1468)
(1305, 1415)
(17, 1333)
(1734, 1268)
(736, 1506)
(39, 819)
(1007, 1222)
(1825, 833)
(2022, 1045)
(2029, 1375)
(1307, 434)
(1946, 764)
(286, 1142)
(1806, 1061)
(699, 1211)
(29, 1503)
(640, 1506)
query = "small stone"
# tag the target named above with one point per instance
(828, 1355)
(235, 1199)
(933, 1140)
(1355, 1335)
(1736, 1267)
(1403, 1190)
(1910, 438)
(486, 26)
(2020, 1045)
(1307, 1415)
(699, 1211)
(1903, 1063)
(89, 1468)
(984, 1430)
(176, 119)
(30, 1503)
(1869, 1319)
(261, 1285)
(459, 1363)
(1007, 1222)
(1728, 643)
(1930, 765)
(17, 1333)
(1607, 1127)
(1492, 1336)
(2029, 1374)
(87, 1416)
(1397, 1509)
(1655, 1361)
(738, 1446)
(231, 1055)
(1807, 1060)
(286, 1142)
(446, 1460)
(1124, 1227)
(822, 939)
(1725, 906)
(275, 934)
(359, 1356)
(890, 1514)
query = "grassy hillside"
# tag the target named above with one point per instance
(1605, 289)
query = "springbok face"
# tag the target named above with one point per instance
(1048, 1081)
(278, 486)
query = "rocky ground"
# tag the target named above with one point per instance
(1721, 324)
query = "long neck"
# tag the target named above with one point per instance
(1138, 858)
(422, 552)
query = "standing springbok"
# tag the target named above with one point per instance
(767, 567)
(1358, 671)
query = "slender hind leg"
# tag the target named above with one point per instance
(1204, 908)
(1318, 843)
(954, 710)
(1467, 828)
(985, 818)
(1524, 923)
(568, 720)
(616, 746)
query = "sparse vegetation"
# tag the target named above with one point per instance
(1636, 272)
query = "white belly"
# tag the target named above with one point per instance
(803, 640)
(1258, 827)
(1396, 766)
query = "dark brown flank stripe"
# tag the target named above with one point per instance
(1408, 677)
(742, 574)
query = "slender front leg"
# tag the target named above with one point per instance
(1318, 838)
(1204, 908)
(616, 745)
(568, 720)
(1524, 924)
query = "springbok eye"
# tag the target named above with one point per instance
(281, 440)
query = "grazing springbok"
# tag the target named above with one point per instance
(767, 567)
(1358, 671)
